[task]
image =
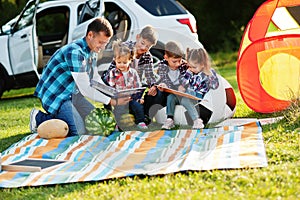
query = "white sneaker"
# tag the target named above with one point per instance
(142, 125)
(32, 122)
(169, 123)
(198, 124)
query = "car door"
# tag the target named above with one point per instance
(90, 10)
(22, 42)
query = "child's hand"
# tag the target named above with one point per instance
(161, 85)
(181, 88)
(141, 101)
(152, 91)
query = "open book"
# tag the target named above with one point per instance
(113, 92)
(176, 92)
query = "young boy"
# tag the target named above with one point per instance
(170, 70)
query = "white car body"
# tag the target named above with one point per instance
(25, 48)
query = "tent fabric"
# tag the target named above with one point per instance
(96, 158)
(268, 67)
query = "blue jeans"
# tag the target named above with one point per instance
(73, 112)
(135, 107)
(189, 104)
(153, 103)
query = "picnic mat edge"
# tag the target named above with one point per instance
(95, 158)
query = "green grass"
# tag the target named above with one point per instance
(280, 180)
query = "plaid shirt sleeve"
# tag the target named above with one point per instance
(213, 80)
(145, 67)
(162, 72)
(56, 83)
(105, 74)
(186, 78)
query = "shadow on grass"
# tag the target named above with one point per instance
(8, 141)
(262, 115)
(21, 96)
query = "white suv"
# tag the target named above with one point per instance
(28, 40)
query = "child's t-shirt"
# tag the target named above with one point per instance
(125, 74)
(174, 76)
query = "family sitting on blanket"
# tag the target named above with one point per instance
(61, 99)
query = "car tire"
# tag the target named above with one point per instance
(2, 86)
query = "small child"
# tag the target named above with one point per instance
(197, 81)
(125, 77)
(170, 69)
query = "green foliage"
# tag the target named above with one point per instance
(221, 23)
(10, 9)
(292, 114)
(280, 180)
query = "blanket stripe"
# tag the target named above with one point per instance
(94, 158)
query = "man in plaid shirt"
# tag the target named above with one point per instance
(57, 89)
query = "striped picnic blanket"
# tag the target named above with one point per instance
(94, 158)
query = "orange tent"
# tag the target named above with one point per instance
(268, 67)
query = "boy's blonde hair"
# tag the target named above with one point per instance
(173, 49)
(120, 49)
(199, 56)
(150, 34)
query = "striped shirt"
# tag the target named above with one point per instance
(56, 83)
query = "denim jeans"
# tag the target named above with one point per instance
(153, 103)
(172, 101)
(133, 107)
(73, 112)
(189, 104)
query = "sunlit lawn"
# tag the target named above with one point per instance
(280, 180)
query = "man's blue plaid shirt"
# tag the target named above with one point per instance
(56, 84)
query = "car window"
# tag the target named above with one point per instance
(162, 8)
(46, 30)
(119, 20)
(90, 10)
(27, 17)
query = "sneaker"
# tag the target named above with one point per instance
(142, 125)
(169, 123)
(147, 120)
(198, 124)
(32, 123)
